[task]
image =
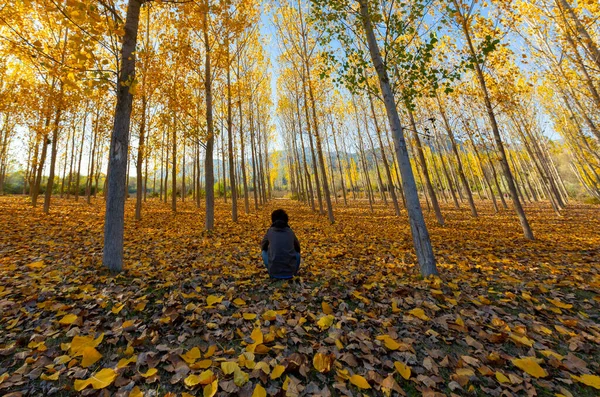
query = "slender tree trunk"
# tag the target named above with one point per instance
(77, 182)
(174, 170)
(183, 187)
(386, 165)
(64, 176)
(445, 168)
(421, 240)
(461, 172)
(337, 154)
(253, 157)
(50, 184)
(480, 162)
(306, 171)
(496, 131)
(423, 164)
(40, 167)
(376, 161)
(209, 164)
(140, 159)
(115, 197)
(92, 162)
(319, 146)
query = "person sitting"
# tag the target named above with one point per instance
(280, 248)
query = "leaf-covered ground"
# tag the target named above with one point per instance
(197, 314)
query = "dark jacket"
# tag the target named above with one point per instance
(282, 245)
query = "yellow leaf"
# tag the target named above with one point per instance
(212, 299)
(523, 340)
(117, 309)
(127, 324)
(391, 344)
(140, 306)
(240, 378)
(201, 364)
(327, 309)
(556, 302)
(249, 316)
(263, 366)
(210, 351)
(90, 356)
(204, 378)
(211, 389)
(78, 343)
(126, 361)
(228, 367)
(322, 362)
(149, 373)
(192, 380)
(359, 382)
(325, 321)
(99, 380)
(52, 377)
(269, 315)
(257, 336)
(36, 265)
(530, 365)
(277, 371)
(239, 302)
(549, 353)
(68, 319)
(62, 359)
(128, 351)
(403, 369)
(136, 392)
(395, 308)
(465, 372)
(502, 378)
(191, 355)
(259, 391)
(588, 380)
(419, 313)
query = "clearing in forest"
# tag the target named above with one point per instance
(196, 313)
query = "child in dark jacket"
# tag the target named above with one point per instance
(280, 248)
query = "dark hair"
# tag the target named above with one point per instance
(279, 215)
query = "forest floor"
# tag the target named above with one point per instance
(196, 313)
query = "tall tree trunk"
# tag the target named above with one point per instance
(445, 167)
(64, 177)
(306, 171)
(461, 172)
(427, 181)
(55, 130)
(496, 131)
(40, 166)
(92, 162)
(319, 146)
(209, 175)
(119, 146)
(174, 170)
(337, 154)
(140, 159)
(253, 157)
(77, 182)
(480, 162)
(386, 165)
(376, 161)
(242, 148)
(419, 232)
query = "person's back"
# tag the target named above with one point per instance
(280, 247)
